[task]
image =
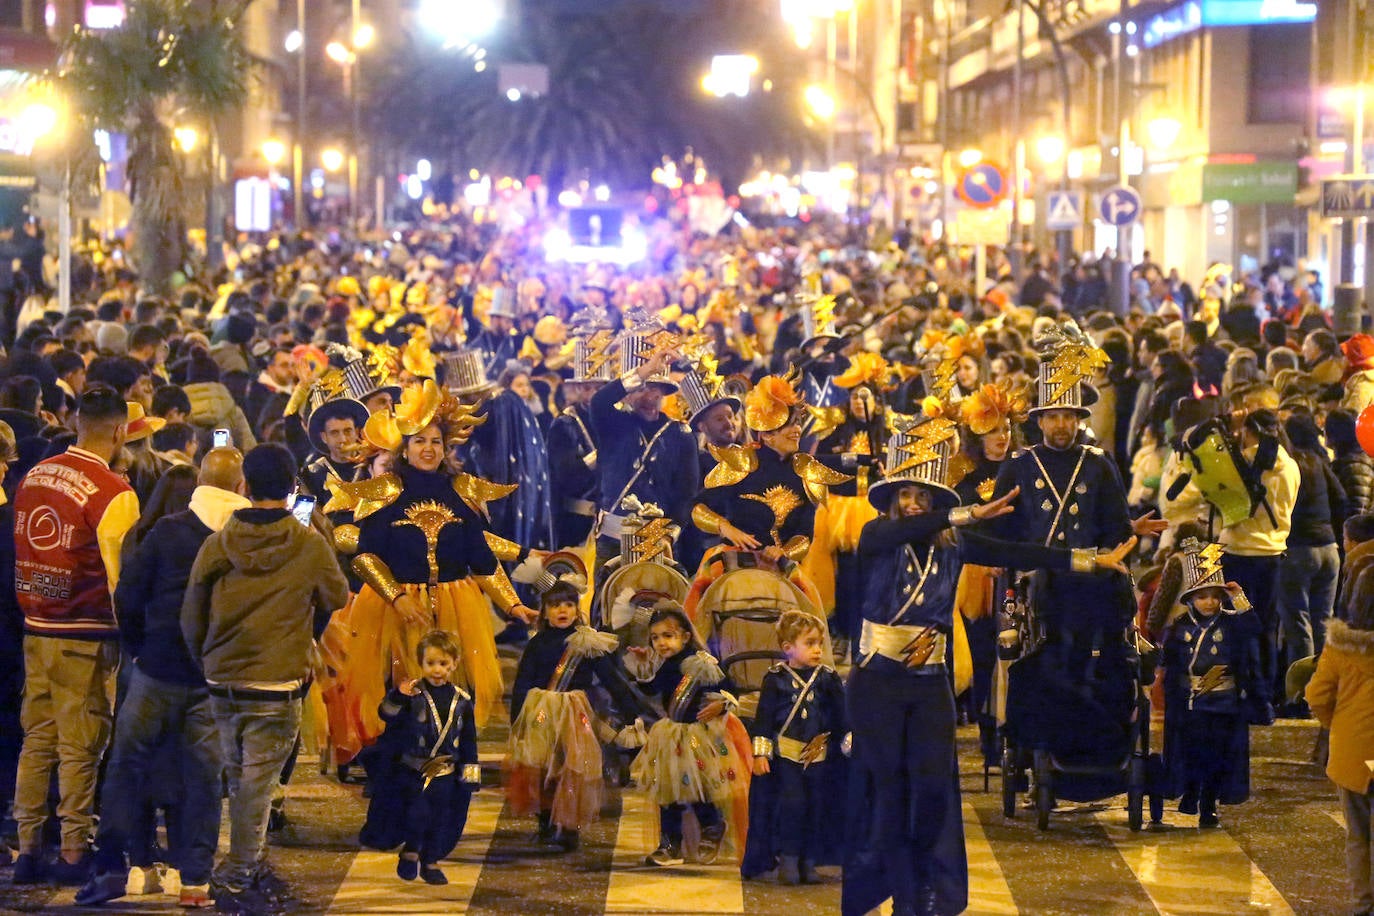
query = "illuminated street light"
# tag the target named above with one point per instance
(274, 151)
(1163, 132)
(731, 74)
(186, 138)
(820, 102)
(970, 157)
(1049, 149)
(363, 36)
(37, 120)
(457, 24)
(513, 94)
(424, 169)
(338, 52)
(332, 159)
(294, 41)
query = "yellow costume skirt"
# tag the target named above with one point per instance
(369, 643)
(554, 750)
(838, 522)
(687, 762)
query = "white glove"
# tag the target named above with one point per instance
(589, 459)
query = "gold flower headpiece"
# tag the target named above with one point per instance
(770, 403)
(985, 409)
(865, 368)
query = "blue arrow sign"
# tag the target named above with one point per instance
(1120, 206)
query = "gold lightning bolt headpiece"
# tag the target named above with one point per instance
(1202, 567)
(918, 452)
(1068, 361)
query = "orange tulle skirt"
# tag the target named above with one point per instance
(367, 643)
(554, 752)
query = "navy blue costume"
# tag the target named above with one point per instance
(907, 840)
(792, 808)
(573, 483)
(509, 448)
(428, 819)
(539, 663)
(1207, 715)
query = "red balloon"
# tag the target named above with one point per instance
(1364, 429)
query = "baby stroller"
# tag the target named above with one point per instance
(1075, 715)
(737, 615)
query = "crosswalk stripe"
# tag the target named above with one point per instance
(989, 893)
(371, 885)
(639, 888)
(1174, 863)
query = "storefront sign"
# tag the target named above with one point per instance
(1250, 182)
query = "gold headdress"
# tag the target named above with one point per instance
(987, 407)
(865, 368)
(769, 405)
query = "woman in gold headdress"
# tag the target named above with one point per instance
(426, 559)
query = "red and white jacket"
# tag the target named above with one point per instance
(70, 517)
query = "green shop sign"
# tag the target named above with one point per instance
(1250, 182)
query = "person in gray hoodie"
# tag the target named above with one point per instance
(262, 588)
(166, 697)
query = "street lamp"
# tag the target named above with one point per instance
(970, 157)
(459, 23)
(332, 159)
(186, 139)
(819, 101)
(1163, 132)
(1049, 149)
(274, 151)
(339, 53)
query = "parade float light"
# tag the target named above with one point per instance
(569, 199)
(602, 193)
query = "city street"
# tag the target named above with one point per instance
(1279, 853)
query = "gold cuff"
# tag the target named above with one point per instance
(499, 590)
(796, 548)
(961, 515)
(1083, 559)
(506, 551)
(346, 538)
(707, 519)
(763, 747)
(472, 773)
(375, 573)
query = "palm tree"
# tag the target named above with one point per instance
(170, 57)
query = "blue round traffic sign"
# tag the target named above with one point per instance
(982, 185)
(1120, 206)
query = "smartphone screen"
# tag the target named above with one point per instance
(221, 438)
(302, 508)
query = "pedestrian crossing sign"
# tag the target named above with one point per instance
(1065, 210)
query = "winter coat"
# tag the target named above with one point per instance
(1359, 391)
(1355, 470)
(261, 589)
(212, 407)
(1341, 695)
(1320, 508)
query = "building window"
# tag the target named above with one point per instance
(1279, 82)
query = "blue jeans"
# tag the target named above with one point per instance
(1306, 595)
(153, 711)
(256, 737)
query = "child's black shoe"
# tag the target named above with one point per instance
(408, 869)
(567, 840)
(709, 847)
(432, 875)
(546, 829)
(808, 874)
(1188, 803)
(665, 855)
(28, 869)
(788, 871)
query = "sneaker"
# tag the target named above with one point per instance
(244, 902)
(1208, 819)
(171, 882)
(665, 855)
(270, 886)
(407, 869)
(71, 873)
(432, 875)
(28, 869)
(709, 847)
(195, 896)
(144, 880)
(102, 888)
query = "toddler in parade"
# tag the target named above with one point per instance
(798, 733)
(427, 769)
(1213, 689)
(696, 755)
(554, 763)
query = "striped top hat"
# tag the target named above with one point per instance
(646, 536)
(640, 341)
(1201, 567)
(593, 346)
(465, 372)
(363, 378)
(918, 452)
(1068, 360)
(818, 320)
(702, 389)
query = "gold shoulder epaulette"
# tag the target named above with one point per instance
(736, 463)
(816, 476)
(505, 551)
(364, 497)
(478, 491)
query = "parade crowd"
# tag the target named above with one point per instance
(307, 502)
